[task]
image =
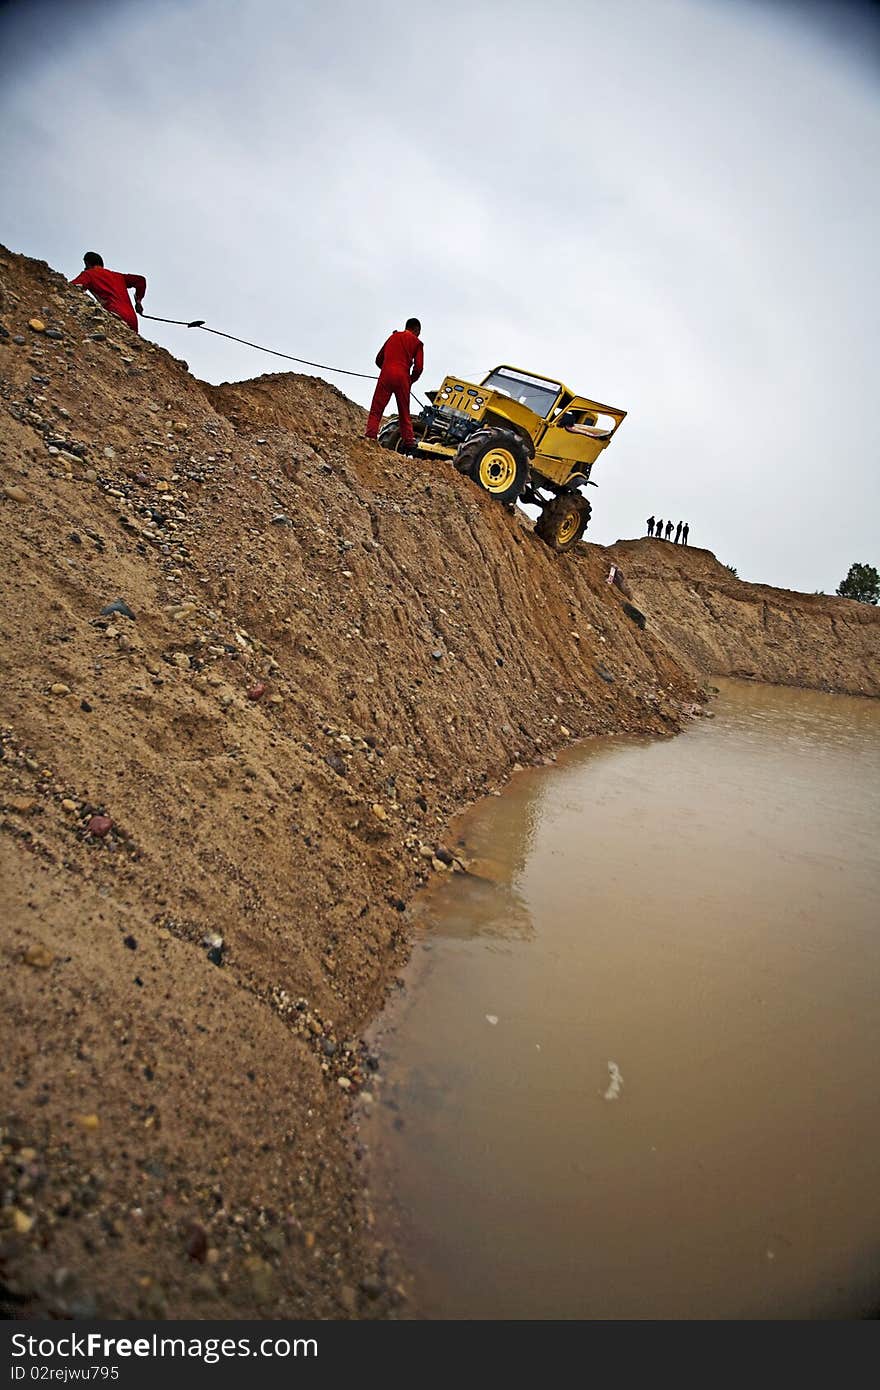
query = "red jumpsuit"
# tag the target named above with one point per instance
(400, 361)
(111, 289)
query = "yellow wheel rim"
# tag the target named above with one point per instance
(497, 470)
(568, 526)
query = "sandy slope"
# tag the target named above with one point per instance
(718, 624)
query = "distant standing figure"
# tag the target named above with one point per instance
(668, 532)
(678, 533)
(111, 288)
(401, 361)
(658, 530)
(684, 533)
(650, 526)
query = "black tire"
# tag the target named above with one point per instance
(497, 461)
(389, 435)
(563, 521)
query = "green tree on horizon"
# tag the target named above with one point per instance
(862, 583)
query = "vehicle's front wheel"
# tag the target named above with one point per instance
(563, 521)
(496, 459)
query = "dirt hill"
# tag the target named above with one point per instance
(718, 624)
(253, 665)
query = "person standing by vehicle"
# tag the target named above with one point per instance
(401, 362)
(111, 288)
(650, 526)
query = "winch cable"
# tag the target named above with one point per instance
(273, 352)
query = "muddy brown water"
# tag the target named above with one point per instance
(634, 1070)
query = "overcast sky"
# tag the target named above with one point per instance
(672, 205)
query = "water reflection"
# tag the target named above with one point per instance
(698, 917)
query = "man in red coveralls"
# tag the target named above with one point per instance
(111, 288)
(401, 362)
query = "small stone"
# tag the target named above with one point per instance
(130, 942)
(15, 493)
(85, 706)
(68, 805)
(89, 1122)
(197, 1243)
(180, 427)
(379, 811)
(215, 955)
(279, 519)
(182, 660)
(162, 486)
(438, 655)
(492, 1018)
(99, 826)
(344, 1083)
(276, 700)
(256, 692)
(21, 1222)
(59, 688)
(118, 606)
(37, 325)
(38, 957)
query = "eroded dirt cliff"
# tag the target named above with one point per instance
(722, 626)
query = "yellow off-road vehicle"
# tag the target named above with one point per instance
(520, 437)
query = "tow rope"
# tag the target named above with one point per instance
(304, 361)
(273, 352)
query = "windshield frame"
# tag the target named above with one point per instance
(526, 379)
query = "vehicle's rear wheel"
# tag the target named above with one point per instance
(389, 434)
(496, 459)
(563, 521)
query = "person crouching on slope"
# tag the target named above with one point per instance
(401, 361)
(111, 289)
